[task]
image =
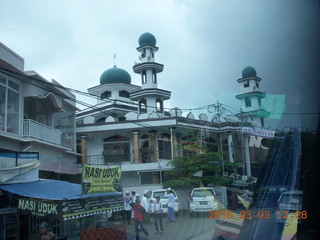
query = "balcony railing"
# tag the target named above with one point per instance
(33, 129)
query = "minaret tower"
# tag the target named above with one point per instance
(251, 95)
(150, 97)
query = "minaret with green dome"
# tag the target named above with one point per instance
(150, 97)
(251, 97)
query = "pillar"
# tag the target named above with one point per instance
(247, 155)
(136, 146)
(84, 149)
(230, 148)
(154, 146)
(173, 142)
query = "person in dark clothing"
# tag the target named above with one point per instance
(138, 218)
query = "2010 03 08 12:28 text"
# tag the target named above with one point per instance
(259, 215)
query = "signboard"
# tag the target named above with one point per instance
(42, 208)
(242, 178)
(101, 179)
(90, 206)
(258, 131)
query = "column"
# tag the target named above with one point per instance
(154, 146)
(173, 142)
(84, 149)
(247, 155)
(230, 148)
(136, 146)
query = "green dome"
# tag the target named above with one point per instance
(115, 75)
(249, 72)
(147, 39)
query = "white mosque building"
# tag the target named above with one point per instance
(130, 126)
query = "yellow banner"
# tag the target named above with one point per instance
(101, 179)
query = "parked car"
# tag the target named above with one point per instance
(289, 202)
(267, 196)
(163, 201)
(203, 200)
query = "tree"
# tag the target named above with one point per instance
(184, 169)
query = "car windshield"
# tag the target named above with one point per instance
(203, 193)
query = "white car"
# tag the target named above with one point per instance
(202, 200)
(163, 200)
(289, 202)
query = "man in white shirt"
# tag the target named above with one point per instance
(169, 194)
(158, 215)
(127, 207)
(145, 205)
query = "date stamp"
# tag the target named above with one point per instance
(256, 215)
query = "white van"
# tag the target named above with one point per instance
(203, 200)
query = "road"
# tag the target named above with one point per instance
(184, 228)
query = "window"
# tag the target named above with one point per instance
(116, 149)
(124, 94)
(144, 77)
(143, 53)
(143, 106)
(246, 83)
(150, 177)
(159, 105)
(9, 105)
(106, 94)
(164, 146)
(247, 102)
(154, 76)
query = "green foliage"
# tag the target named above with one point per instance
(184, 167)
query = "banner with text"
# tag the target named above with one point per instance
(101, 179)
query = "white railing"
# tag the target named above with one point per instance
(33, 129)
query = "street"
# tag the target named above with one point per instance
(183, 228)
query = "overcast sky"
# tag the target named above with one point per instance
(203, 44)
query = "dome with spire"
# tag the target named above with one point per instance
(249, 72)
(115, 75)
(147, 39)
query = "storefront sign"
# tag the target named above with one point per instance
(38, 208)
(89, 206)
(257, 131)
(101, 179)
(243, 178)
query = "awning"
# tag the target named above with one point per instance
(61, 199)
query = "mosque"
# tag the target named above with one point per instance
(131, 126)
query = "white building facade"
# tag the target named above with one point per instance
(36, 116)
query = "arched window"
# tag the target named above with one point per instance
(159, 105)
(154, 76)
(143, 106)
(124, 94)
(144, 77)
(106, 94)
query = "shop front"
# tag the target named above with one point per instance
(70, 214)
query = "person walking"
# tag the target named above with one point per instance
(145, 204)
(138, 218)
(158, 215)
(169, 194)
(128, 207)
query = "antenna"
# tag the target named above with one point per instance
(114, 59)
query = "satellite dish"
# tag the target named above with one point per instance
(215, 119)
(149, 58)
(231, 118)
